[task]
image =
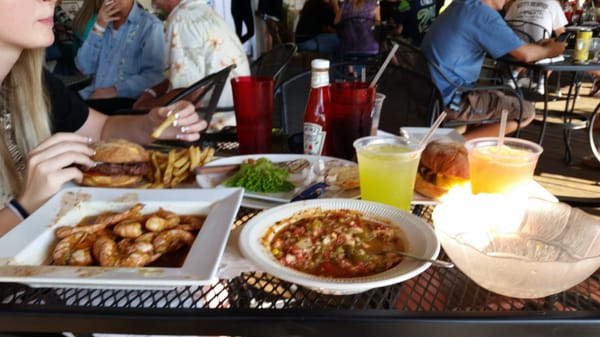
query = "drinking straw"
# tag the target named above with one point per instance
(384, 65)
(502, 127)
(432, 130)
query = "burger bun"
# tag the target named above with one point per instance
(121, 163)
(444, 164)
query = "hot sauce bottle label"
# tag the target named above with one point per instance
(314, 138)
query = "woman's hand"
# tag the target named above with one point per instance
(107, 13)
(49, 166)
(186, 127)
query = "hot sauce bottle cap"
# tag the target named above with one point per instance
(320, 64)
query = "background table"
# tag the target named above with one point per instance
(571, 121)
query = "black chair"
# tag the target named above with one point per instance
(412, 98)
(274, 62)
(529, 32)
(411, 58)
(292, 93)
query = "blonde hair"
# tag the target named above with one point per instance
(84, 14)
(28, 104)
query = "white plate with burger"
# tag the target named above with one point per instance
(185, 233)
(321, 244)
(303, 171)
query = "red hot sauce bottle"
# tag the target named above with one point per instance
(317, 110)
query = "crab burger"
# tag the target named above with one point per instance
(443, 165)
(120, 163)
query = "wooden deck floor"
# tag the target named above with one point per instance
(556, 175)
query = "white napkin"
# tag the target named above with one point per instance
(233, 262)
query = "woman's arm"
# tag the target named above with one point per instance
(8, 220)
(377, 15)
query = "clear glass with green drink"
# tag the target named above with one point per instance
(387, 167)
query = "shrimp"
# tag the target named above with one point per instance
(171, 240)
(74, 250)
(66, 231)
(111, 219)
(102, 222)
(162, 220)
(128, 229)
(110, 254)
(81, 257)
(190, 223)
(146, 237)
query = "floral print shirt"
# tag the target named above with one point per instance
(200, 43)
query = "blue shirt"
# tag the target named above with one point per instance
(459, 40)
(131, 58)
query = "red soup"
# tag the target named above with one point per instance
(336, 243)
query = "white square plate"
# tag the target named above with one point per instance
(25, 249)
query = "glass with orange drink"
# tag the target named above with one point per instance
(506, 169)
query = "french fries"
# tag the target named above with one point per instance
(164, 125)
(173, 168)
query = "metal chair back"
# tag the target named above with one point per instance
(213, 84)
(274, 62)
(529, 32)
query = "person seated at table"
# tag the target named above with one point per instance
(356, 20)
(315, 30)
(479, 30)
(47, 129)
(413, 18)
(200, 43)
(83, 22)
(125, 52)
(546, 17)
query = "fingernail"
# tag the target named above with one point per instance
(175, 123)
(178, 136)
(89, 140)
(184, 129)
